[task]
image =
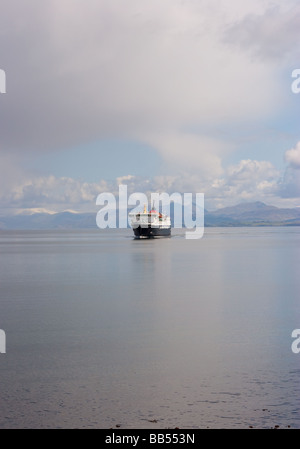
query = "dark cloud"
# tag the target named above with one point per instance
(138, 70)
(271, 35)
(80, 71)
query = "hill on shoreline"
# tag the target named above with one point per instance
(243, 214)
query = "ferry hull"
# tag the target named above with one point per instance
(151, 232)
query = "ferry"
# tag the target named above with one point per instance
(150, 224)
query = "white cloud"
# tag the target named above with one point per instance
(250, 171)
(249, 180)
(292, 156)
(54, 194)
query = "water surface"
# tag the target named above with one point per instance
(103, 330)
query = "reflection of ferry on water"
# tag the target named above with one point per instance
(150, 224)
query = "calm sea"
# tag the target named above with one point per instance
(105, 331)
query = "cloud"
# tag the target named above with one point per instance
(249, 180)
(250, 171)
(270, 35)
(53, 193)
(288, 185)
(10, 171)
(292, 156)
(191, 152)
(147, 71)
(169, 74)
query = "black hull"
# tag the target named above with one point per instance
(151, 232)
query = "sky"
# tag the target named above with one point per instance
(163, 96)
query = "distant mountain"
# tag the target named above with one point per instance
(244, 214)
(253, 214)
